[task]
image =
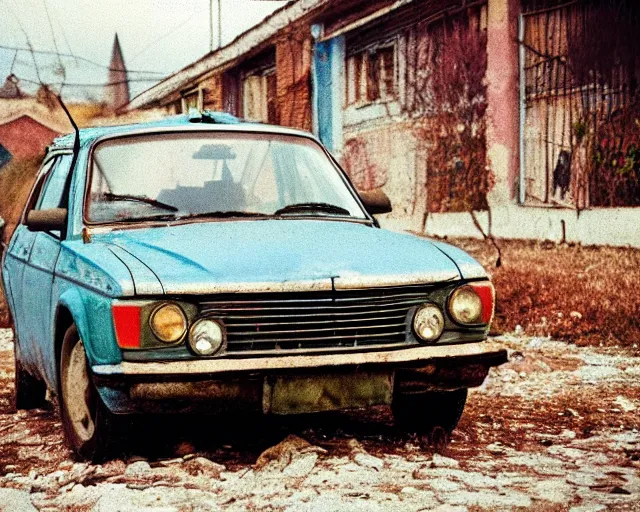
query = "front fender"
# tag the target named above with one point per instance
(91, 312)
(469, 268)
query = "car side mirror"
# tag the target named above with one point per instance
(53, 219)
(376, 201)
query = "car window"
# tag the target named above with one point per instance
(51, 191)
(182, 174)
(54, 184)
(43, 175)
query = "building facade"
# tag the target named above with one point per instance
(518, 118)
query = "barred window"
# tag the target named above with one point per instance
(372, 75)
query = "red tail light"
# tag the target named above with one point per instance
(126, 319)
(487, 294)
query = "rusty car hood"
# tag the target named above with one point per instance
(283, 255)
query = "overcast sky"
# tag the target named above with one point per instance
(156, 35)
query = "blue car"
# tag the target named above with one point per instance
(204, 263)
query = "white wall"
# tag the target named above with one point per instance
(605, 226)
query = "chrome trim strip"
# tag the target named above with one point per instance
(212, 366)
(188, 288)
(343, 321)
(356, 281)
(344, 282)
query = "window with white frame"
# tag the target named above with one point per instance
(192, 99)
(372, 75)
(259, 96)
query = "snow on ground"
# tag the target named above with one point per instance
(556, 428)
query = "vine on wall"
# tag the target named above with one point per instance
(603, 57)
(450, 107)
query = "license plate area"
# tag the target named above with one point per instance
(300, 394)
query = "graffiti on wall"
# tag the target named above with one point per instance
(365, 159)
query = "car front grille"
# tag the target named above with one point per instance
(316, 320)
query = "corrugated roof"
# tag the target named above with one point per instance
(242, 44)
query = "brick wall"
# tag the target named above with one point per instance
(212, 94)
(293, 64)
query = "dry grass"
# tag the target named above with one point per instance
(588, 295)
(16, 180)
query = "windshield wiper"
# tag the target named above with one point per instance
(109, 196)
(159, 217)
(188, 216)
(312, 207)
(218, 215)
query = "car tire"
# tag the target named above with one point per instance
(89, 427)
(426, 412)
(30, 393)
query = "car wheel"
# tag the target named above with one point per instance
(426, 412)
(30, 393)
(88, 425)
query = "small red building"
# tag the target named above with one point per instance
(25, 137)
(27, 124)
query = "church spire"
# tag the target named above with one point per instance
(117, 89)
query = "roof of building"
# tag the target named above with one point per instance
(209, 121)
(54, 119)
(242, 44)
(254, 39)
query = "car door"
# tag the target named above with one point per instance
(37, 281)
(16, 260)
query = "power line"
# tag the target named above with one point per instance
(63, 84)
(35, 62)
(166, 34)
(13, 62)
(13, 13)
(30, 48)
(48, 52)
(64, 36)
(53, 36)
(106, 84)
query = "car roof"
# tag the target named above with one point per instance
(206, 121)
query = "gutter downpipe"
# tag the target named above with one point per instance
(523, 107)
(316, 32)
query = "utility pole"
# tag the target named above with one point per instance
(212, 42)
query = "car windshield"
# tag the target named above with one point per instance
(222, 174)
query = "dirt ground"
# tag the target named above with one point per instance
(556, 428)
(583, 294)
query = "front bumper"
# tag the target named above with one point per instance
(215, 384)
(411, 357)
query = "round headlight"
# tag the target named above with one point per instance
(428, 322)
(206, 337)
(465, 306)
(168, 323)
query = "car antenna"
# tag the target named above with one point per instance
(74, 157)
(76, 140)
